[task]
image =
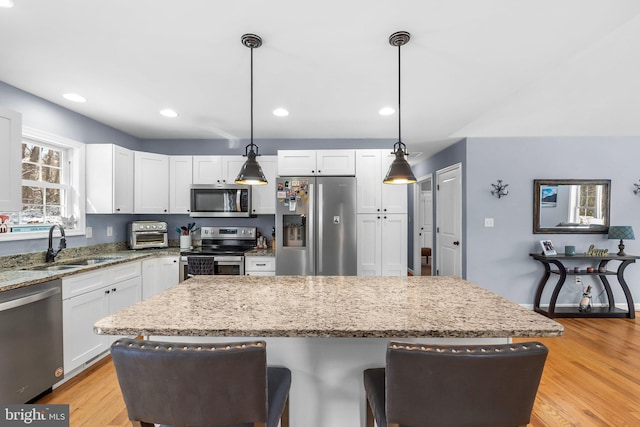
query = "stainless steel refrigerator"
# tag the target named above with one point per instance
(316, 226)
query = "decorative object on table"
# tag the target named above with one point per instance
(576, 269)
(547, 247)
(602, 269)
(4, 223)
(251, 172)
(499, 189)
(570, 250)
(590, 270)
(637, 190)
(585, 301)
(593, 251)
(621, 232)
(400, 171)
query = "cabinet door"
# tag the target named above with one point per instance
(151, 183)
(369, 180)
(369, 245)
(263, 197)
(78, 316)
(231, 166)
(10, 162)
(159, 274)
(394, 245)
(180, 179)
(296, 162)
(122, 180)
(124, 294)
(393, 196)
(207, 169)
(336, 162)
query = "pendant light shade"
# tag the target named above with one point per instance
(400, 171)
(251, 172)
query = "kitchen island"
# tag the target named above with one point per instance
(328, 329)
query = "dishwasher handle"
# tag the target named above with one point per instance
(28, 299)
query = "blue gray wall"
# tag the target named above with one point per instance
(498, 258)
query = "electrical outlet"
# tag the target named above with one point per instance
(109, 231)
(577, 280)
(88, 232)
(488, 222)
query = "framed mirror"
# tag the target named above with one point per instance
(578, 206)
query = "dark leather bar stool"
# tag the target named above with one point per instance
(452, 385)
(201, 385)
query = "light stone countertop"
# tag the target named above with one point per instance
(328, 306)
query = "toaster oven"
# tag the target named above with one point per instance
(148, 234)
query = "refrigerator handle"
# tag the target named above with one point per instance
(319, 266)
(311, 231)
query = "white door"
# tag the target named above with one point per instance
(423, 232)
(449, 221)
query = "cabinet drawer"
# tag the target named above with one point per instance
(82, 283)
(260, 263)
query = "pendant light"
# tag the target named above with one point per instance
(251, 172)
(400, 171)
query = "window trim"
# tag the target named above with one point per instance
(76, 180)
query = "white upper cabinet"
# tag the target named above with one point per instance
(372, 195)
(263, 197)
(151, 183)
(10, 162)
(216, 169)
(180, 179)
(316, 162)
(109, 179)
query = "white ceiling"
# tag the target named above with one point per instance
(472, 68)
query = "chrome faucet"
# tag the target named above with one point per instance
(51, 254)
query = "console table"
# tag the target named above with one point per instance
(562, 271)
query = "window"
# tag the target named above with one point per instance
(52, 187)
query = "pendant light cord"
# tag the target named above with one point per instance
(252, 97)
(399, 113)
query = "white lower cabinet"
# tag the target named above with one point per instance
(259, 266)
(382, 245)
(88, 297)
(159, 274)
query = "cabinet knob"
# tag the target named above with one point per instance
(378, 209)
(456, 243)
(165, 210)
(378, 216)
(107, 291)
(385, 217)
(118, 209)
(113, 289)
(385, 209)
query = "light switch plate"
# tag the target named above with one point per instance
(109, 231)
(88, 232)
(488, 222)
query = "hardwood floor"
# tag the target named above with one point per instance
(592, 378)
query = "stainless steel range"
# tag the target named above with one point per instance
(222, 251)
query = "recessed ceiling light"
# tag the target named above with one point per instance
(280, 112)
(75, 97)
(6, 3)
(386, 111)
(167, 112)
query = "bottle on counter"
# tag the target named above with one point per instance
(585, 301)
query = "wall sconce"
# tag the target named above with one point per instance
(499, 189)
(637, 190)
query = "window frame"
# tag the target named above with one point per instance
(76, 176)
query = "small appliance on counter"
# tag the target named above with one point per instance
(148, 234)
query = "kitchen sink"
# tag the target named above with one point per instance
(53, 267)
(76, 263)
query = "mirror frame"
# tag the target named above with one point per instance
(537, 229)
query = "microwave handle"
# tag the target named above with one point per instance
(238, 199)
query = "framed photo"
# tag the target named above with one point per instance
(547, 247)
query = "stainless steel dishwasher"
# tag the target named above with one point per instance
(31, 333)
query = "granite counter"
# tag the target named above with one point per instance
(327, 306)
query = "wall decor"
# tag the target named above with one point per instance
(578, 206)
(637, 190)
(499, 189)
(592, 251)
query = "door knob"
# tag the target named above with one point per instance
(456, 243)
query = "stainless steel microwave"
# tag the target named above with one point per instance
(225, 200)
